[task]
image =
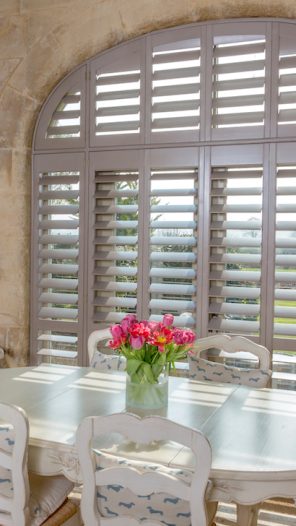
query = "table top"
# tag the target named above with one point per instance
(250, 430)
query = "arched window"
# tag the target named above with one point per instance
(164, 180)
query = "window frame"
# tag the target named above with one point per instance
(214, 147)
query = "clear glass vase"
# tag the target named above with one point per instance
(144, 397)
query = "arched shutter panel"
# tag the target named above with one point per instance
(117, 84)
(175, 86)
(239, 84)
(287, 82)
(65, 122)
(62, 124)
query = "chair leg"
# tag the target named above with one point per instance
(247, 515)
(211, 511)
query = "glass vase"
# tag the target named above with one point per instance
(147, 398)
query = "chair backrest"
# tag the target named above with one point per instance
(141, 431)
(100, 360)
(203, 369)
(94, 339)
(14, 484)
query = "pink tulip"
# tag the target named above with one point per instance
(137, 342)
(183, 337)
(127, 322)
(168, 320)
(116, 332)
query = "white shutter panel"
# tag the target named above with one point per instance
(175, 90)
(238, 87)
(62, 122)
(235, 249)
(286, 118)
(285, 263)
(58, 224)
(173, 244)
(116, 245)
(287, 90)
(117, 87)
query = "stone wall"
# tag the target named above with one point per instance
(41, 41)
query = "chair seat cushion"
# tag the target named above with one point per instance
(205, 370)
(108, 362)
(114, 500)
(47, 494)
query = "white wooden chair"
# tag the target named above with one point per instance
(28, 500)
(160, 495)
(100, 360)
(205, 370)
(258, 377)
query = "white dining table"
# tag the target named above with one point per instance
(252, 432)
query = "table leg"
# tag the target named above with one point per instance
(247, 515)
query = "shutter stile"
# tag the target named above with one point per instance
(235, 250)
(116, 245)
(173, 244)
(58, 265)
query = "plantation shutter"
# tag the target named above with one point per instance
(62, 124)
(117, 88)
(57, 262)
(238, 104)
(172, 235)
(287, 82)
(179, 215)
(115, 220)
(235, 249)
(285, 269)
(175, 85)
(65, 121)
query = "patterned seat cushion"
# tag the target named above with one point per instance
(205, 370)
(47, 494)
(114, 500)
(107, 362)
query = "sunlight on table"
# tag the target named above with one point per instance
(201, 394)
(101, 382)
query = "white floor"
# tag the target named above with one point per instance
(273, 513)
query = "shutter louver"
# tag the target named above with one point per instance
(58, 264)
(235, 250)
(285, 262)
(116, 245)
(173, 244)
(239, 84)
(65, 121)
(176, 87)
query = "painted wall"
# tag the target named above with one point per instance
(40, 42)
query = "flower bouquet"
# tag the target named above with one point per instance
(151, 350)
